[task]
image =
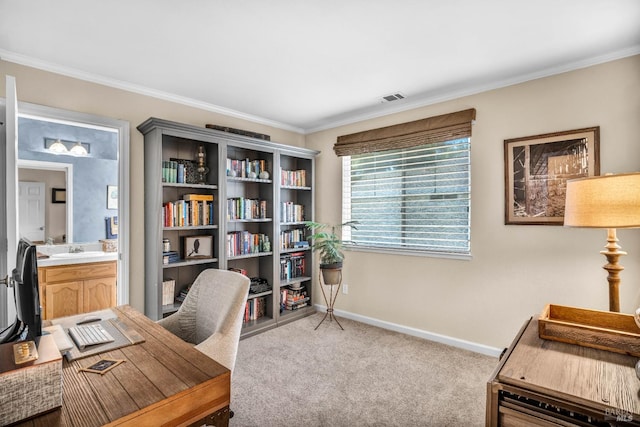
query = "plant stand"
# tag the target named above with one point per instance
(332, 299)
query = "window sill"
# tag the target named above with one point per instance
(389, 251)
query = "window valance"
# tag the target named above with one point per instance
(405, 135)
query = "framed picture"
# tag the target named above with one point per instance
(58, 195)
(112, 197)
(537, 169)
(198, 247)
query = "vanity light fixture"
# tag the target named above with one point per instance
(73, 148)
(78, 150)
(58, 147)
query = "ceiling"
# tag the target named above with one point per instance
(308, 65)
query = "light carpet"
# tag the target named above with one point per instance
(362, 376)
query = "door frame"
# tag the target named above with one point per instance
(67, 168)
(122, 128)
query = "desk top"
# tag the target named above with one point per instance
(594, 378)
(163, 380)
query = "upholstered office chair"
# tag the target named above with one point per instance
(211, 315)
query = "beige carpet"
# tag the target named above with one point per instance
(362, 376)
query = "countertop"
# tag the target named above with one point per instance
(49, 256)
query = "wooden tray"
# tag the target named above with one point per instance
(604, 330)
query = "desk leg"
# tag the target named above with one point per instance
(331, 301)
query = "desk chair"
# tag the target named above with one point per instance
(211, 315)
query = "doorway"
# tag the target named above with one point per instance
(58, 179)
(119, 128)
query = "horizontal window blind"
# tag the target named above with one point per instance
(413, 199)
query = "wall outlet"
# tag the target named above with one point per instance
(345, 288)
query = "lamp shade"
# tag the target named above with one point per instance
(608, 201)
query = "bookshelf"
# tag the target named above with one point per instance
(262, 193)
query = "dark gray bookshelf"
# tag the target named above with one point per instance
(164, 140)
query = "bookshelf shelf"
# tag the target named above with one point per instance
(261, 294)
(187, 185)
(191, 227)
(231, 221)
(246, 158)
(295, 281)
(183, 263)
(246, 256)
(236, 179)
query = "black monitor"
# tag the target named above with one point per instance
(28, 323)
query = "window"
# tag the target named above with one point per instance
(414, 199)
(411, 193)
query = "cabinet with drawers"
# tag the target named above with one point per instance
(549, 383)
(71, 289)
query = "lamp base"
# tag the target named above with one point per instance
(613, 253)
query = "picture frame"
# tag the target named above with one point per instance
(112, 197)
(58, 195)
(537, 169)
(198, 247)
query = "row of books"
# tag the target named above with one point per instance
(170, 257)
(244, 168)
(183, 294)
(241, 208)
(254, 309)
(297, 178)
(191, 210)
(244, 243)
(292, 265)
(289, 238)
(291, 212)
(168, 289)
(293, 299)
(179, 171)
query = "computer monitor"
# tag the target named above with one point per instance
(28, 323)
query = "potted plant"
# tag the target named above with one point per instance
(326, 240)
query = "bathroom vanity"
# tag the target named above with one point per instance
(74, 283)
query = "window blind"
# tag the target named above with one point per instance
(412, 199)
(430, 130)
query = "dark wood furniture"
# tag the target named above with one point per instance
(548, 383)
(163, 382)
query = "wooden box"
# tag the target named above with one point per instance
(604, 330)
(33, 387)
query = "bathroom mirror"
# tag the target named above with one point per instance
(88, 179)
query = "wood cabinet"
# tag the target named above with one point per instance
(248, 225)
(71, 289)
(548, 383)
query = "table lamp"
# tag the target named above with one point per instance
(611, 202)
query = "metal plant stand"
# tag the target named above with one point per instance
(332, 299)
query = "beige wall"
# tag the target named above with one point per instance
(515, 270)
(53, 90)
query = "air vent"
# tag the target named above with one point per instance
(392, 97)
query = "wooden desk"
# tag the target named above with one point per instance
(164, 382)
(548, 383)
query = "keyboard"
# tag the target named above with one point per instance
(87, 335)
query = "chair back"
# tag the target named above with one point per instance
(215, 304)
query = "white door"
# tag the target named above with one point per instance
(31, 206)
(9, 211)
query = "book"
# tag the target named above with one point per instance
(198, 197)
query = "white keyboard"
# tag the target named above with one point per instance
(86, 335)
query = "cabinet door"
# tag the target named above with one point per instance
(99, 294)
(63, 299)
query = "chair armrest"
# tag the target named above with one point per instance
(172, 324)
(221, 347)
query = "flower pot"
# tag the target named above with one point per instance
(331, 273)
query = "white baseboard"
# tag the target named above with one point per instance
(455, 342)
